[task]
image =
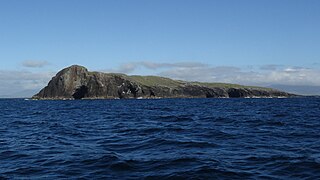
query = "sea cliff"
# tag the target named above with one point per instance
(76, 82)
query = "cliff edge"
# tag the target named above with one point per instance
(76, 82)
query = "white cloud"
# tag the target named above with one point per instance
(286, 75)
(132, 66)
(256, 75)
(34, 63)
(13, 82)
(268, 67)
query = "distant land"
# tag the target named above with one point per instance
(76, 82)
(303, 90)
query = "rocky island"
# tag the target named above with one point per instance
(76, 82)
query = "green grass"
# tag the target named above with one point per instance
(167, 82)
(227, 85)
(155, 81)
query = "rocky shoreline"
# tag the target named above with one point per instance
(76, 82)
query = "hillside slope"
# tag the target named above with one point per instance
(76, 82)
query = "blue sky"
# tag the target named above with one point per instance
(163, 37)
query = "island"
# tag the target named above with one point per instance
(76, 82)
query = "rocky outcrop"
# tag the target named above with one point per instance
(76, 82)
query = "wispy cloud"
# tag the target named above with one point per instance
(18, 81)
(284, 75)
(13, 82)
(34, 63)
(264, 75)
(270, 67)
(153, 65)
(132, 66)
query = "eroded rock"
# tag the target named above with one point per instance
(76, 82)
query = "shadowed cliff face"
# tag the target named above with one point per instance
(76, 82)
(65, 83)
(80, 92)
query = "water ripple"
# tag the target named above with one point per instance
(160, 139)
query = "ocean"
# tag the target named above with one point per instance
(160, 139)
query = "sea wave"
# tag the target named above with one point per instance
(160, 139)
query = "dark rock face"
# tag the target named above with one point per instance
(80, 92)
(76, 82)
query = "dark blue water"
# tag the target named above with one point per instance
(158, 139)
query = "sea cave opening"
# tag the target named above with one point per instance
(80, 92)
